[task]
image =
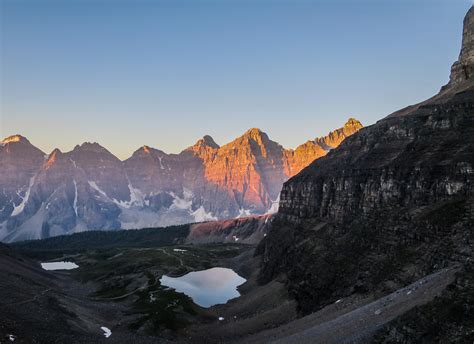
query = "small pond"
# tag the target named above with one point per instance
(59, 266)
(207, 287)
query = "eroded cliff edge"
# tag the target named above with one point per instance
(394, 203)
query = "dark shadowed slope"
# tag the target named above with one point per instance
(36, 306)
(392, 204)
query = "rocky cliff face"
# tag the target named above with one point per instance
(19, 162)
(89, 188)
(422, 157)
(463, 69)
(393, 203)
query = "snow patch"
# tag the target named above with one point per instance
(96, 188)
(200, 215)
(179, 250)
(186, 203)
(30, 229)
(180, 211)
(19, 208)
(161, 164)
(221, 318)
(274, 207)
(243, 213)
(59, 266)
(11, 337)
(136, 196)
(75, 197)
(107, 332)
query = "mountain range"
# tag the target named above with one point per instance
(89, 188)
(372, 242)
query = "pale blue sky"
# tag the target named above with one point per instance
(165, 73)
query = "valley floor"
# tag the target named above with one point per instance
(112, 288)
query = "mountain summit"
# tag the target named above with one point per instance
(255, 134)
(90, 188)
(463, 69)
(14, 138)
(208, 141)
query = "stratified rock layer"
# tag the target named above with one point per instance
(392, 204)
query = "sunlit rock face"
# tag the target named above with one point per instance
(303, 155)
(246, 174)
(89, 188)
(249, 171)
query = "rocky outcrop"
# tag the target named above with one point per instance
(420, 158)
(245, 230)
(392, 204)
(463, 69)
(90, 188)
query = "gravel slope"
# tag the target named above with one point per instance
(357, 322)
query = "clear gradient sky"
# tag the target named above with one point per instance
(165, 73)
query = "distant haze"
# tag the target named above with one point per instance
(164, 73)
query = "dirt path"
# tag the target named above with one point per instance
(42, 293)
(181, 263)
(143, 287)
(356, 324)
